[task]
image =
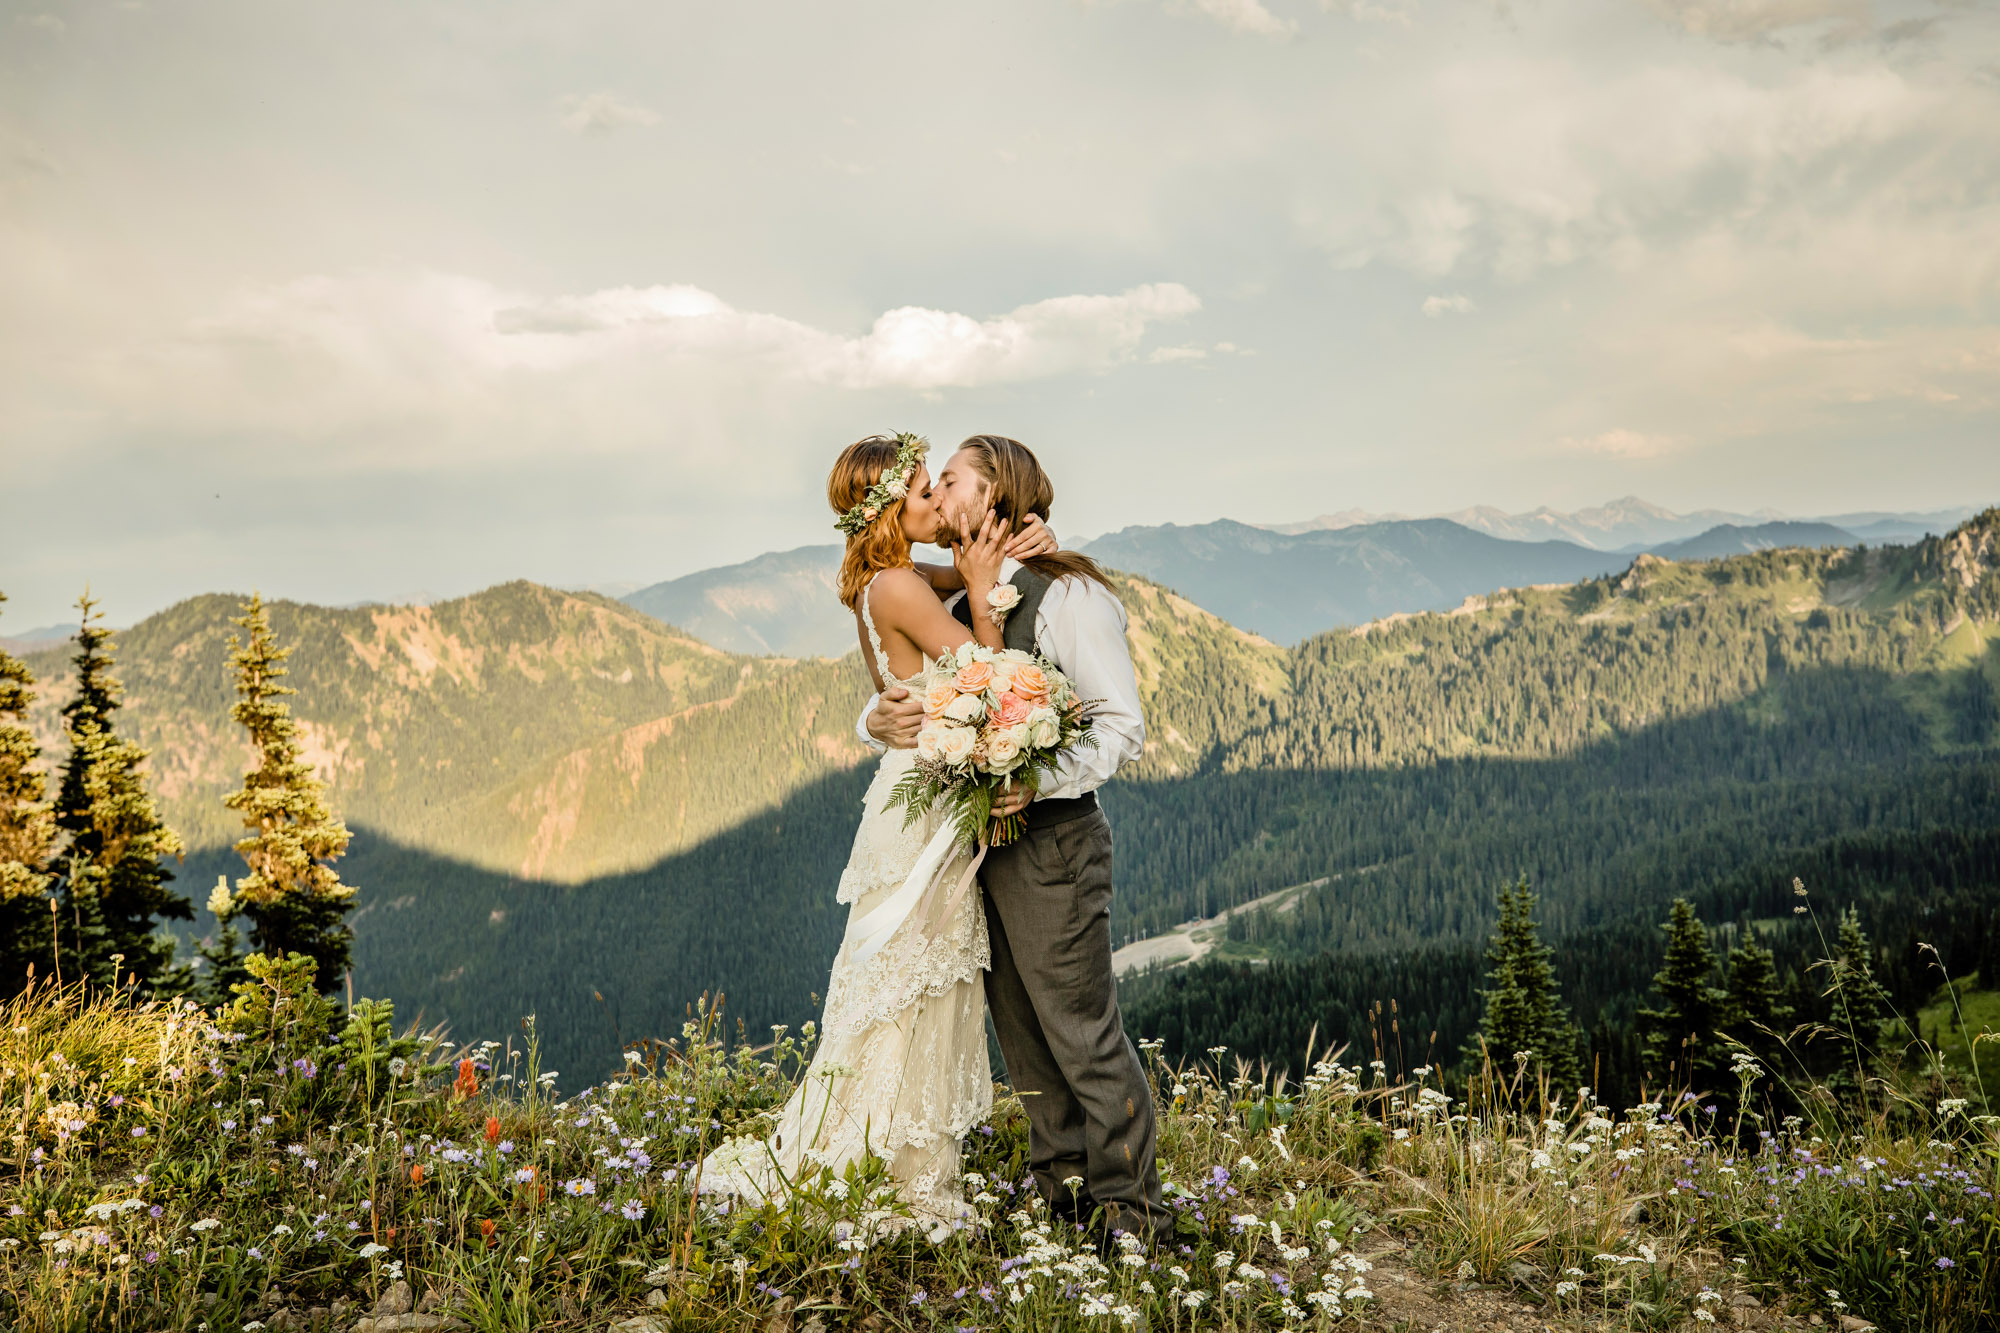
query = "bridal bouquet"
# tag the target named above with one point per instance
(992, 717)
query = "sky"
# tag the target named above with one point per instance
(372, 299)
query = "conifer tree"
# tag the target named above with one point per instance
(1680, 1034)
(27, 830)
(1524, 1008)
(1753, 1011)
(114, 885)
(292, 896)
(1861, 1008)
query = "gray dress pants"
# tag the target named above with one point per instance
(1055, 1011)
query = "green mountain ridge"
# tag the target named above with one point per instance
(557, 798)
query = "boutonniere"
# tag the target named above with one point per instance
(1001, 598)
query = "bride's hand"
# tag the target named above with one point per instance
(1034, 538)
(978, 555)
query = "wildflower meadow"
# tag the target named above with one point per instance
(286, 1162)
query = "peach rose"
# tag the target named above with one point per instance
(939, 699)
(973, 677)
(1031, 683)
(1011, 710)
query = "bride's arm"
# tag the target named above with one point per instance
(1035, 538)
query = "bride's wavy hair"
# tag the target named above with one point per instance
(1019, 488)
(881, 545)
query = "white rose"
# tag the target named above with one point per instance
(1003, 750)
(967, 653)
(955, 744)
(927, 743)
(1003, 597)
(1003, 678)
(1045, 731)
(966, 708)
(1013, 656)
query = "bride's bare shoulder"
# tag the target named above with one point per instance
(899, 588)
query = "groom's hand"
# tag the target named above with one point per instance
(1013, 801)
(896, 719)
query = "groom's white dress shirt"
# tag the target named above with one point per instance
(1080, 626)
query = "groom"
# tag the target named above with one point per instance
(1048, 895)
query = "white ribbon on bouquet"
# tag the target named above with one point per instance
(934, 887)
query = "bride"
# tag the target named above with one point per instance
(901, 1070)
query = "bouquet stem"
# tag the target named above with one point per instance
(1006, 828)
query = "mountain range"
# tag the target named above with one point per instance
(1632, 525)
(565, 806)
(1288, 581)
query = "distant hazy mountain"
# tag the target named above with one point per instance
(34, 640)
(781, 604)
(1728, 539)
(1287, 586)
(1632, 524)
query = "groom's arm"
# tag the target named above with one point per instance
(1082, 630)
(890, 720)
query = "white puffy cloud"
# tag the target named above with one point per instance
(375, 356)
(1455, 304)
(910, 347)
(600, 113)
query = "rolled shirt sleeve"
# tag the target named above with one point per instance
(1080, 627)
(861, 725)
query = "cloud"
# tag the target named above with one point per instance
(437, 363)
(601, 113)
(1755, 20)
(1455, 304)
(1395, 12)
(1249, 16)
(1162, 355)
(47, 23)
(911, 347)
(1620, 443)
(1512, 167)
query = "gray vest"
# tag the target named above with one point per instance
(1019, 632)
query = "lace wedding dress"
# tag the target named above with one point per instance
(901, 1069)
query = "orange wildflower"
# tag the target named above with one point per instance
(487, 1226)
(493, 1129)
(417, 1174)
(467, 1082)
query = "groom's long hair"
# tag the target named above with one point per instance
(881, 545)
(1019, 488)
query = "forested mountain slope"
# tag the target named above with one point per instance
(540, 734)
(559, 800)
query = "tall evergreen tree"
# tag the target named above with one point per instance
(292, 896)
(114, 885)
(1524, 1008)
(27, 830)
(1861, 1007)
(1754, 1012)
(1681, 1044)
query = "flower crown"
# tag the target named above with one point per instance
(893, 485)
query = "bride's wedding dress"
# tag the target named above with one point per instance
(901, 1069)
